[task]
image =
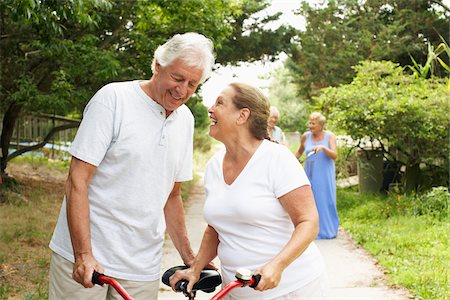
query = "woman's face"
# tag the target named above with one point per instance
(314, 126)
(223, 115)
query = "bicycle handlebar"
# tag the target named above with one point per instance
(208, 281)
(253, 282)
(100, 279)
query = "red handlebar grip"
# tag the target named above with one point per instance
(226, 289)
(101, 279)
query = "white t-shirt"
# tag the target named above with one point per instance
(139, 155)
(251, 223)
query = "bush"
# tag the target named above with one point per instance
(346, 163)
(434, 203)
(402, 114)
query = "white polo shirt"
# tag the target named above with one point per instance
(139, 155)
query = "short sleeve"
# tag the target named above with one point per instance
(288, 174)
(95, 133)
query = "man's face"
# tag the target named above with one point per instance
(273, 119)
(175, 84)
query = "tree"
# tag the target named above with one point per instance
(56, 54)
(293, 108)
(406, 115)
(342, 33)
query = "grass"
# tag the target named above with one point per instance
(28, 214)
(27, 219)
(409, 242)
(408, 235)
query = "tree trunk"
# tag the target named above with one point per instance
(412, 178)
(9, 120)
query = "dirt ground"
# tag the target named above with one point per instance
(28, 214)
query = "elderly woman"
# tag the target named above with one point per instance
(321, 152)
(259, 206)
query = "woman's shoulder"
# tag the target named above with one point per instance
(217, 157)
(329, 133)
(276, 151)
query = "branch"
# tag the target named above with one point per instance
(441, 4)
(46, 139)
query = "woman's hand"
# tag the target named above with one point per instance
(270, 276)
(188, 274)
(319, 148)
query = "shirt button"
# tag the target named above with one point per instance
(161, 113)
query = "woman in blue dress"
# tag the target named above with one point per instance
(321, 152)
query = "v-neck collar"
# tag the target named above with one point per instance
(247, 165)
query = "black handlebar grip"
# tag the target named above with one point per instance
(181, 286)
(95, 278)
(256, 278)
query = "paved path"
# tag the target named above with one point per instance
(352, 272)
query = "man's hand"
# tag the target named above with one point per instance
(84, 268)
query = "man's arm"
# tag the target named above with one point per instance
(77, 205)
(176, 225)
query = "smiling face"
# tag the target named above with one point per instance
(175, 84)
(223, 115)
(273, 119)
(314, 125)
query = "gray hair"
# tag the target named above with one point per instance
(192, 48)
(274, 109)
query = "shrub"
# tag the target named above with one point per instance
(401, 113)
(434, 203)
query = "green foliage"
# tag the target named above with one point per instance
(202, 142)
(200, 112)
(341, 33)
(413, 248)
(434, 203)
(57, 54)
(293, 108)
(404, 114)
(429, 67)
(346, 162)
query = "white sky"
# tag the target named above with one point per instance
(252, 73)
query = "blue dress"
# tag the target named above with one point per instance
(321, 173)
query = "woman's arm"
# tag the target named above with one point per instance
(300, 150)
(206, 253)
(301, 207)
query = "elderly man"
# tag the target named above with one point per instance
(275, 132)
(131, 153)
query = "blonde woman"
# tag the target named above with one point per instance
(321, 152)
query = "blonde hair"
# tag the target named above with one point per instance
(318, 117)
(247, 96)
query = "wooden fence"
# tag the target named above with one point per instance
(31, 129)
